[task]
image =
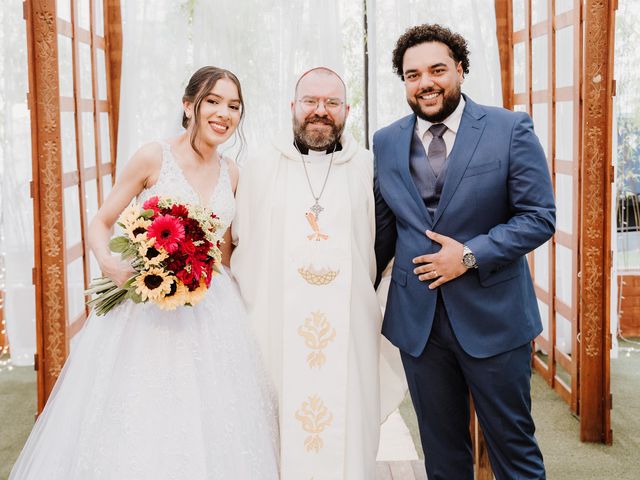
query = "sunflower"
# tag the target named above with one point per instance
(150, 253)
(195, 296)
(137, 229)
(153, 284)
(154, 256)
(168, 232)
(129, 216)
(176, 297)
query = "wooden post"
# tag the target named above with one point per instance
(113, 39)
(49, 271)
(365, 25)
(595, 242)
(504, 32)
(481, 464)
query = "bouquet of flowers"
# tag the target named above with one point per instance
(174, 249)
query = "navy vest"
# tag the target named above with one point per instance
(429, 187)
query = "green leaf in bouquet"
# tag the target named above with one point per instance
(133, 295)
(130, 252)
(119, 244)
(147, 214)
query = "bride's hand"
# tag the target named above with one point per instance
(117, 269)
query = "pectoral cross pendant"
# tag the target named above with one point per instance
(316, 209)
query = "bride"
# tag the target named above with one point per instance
(151, 394)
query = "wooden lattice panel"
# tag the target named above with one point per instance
(559, 70)
(74, 78)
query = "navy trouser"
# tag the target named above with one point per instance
(439, 382)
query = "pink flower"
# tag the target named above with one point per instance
(168, 232)
(152, 204)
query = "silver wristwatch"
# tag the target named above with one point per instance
(468, 258)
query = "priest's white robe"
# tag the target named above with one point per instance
(313, 306)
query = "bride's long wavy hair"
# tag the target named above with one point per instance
(199, 86)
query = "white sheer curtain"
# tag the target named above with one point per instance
(267, 44)
(16, 211)
(156, 62)
(473, 19)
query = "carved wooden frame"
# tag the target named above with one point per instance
(49, 271)
(592, 173)
(595, 241)
(52, 254)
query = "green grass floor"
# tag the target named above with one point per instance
(17, 413)
(558, 431)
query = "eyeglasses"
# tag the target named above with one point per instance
(312, 103)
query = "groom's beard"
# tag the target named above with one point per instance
(450, 102)
(316, 139)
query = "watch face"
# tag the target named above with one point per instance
(469, 260)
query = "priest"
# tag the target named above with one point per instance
(304, 261)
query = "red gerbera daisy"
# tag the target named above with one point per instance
(168, 232)
(189, 278)
(188, 247)
(179, 210)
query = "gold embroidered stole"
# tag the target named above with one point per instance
(317, 303)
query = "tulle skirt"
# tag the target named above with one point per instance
(150, 395)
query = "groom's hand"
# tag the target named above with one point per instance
(443, 266)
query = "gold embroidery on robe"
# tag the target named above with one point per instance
(317, 333)
(313, 276)
(317, 235)
(315, 417)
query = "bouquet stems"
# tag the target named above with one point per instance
(109, 294)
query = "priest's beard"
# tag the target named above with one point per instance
(316, 139)
(450, 102)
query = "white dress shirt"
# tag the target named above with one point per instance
(452, 122)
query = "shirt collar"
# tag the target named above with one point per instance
(306, 151)
(452, 121)
(316, 153)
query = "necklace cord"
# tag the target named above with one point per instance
(324, 184)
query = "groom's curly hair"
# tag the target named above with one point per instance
(458, 49)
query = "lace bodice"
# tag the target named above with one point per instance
(172, 183)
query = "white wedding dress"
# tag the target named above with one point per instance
(148, 394)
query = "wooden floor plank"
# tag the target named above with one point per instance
(383, 472)
(401, 470)
(418, 470)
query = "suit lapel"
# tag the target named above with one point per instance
(402, 154)
(469, 133)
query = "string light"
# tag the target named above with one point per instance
(5, 361)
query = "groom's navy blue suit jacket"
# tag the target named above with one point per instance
(497, 199)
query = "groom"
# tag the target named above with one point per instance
(462, 195)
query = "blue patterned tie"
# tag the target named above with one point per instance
(437, 148)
